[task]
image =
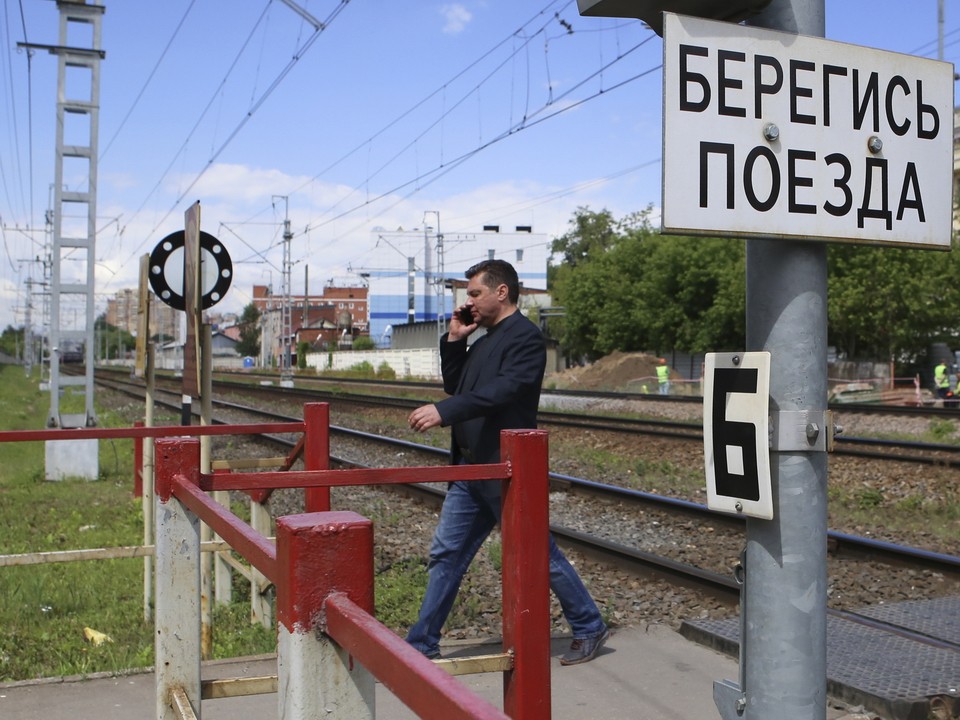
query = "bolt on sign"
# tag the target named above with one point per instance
(771, 134)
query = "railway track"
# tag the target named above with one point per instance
(871, 408)
(717, 583)
(921, 453)
(646, 556)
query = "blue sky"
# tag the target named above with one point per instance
(506, 112)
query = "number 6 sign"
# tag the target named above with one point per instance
(736, 445)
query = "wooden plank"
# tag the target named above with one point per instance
(116, 553)
(248, 463)
(500, 662)
(181, 704)
(238, 687)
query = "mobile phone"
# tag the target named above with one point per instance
(465, 316)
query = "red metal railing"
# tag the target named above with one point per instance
(333, 589)
(138, 433)
(156, 431)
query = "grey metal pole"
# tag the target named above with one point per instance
(939, 29)
(785, 593)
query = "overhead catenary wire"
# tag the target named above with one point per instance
(427, 98)
(528, 37)
(146, 83)
(418, 177)
(422, 180)
(453, 165)
(249, 114)
(423, 176)
(200, 118)
(446, 112)
(14, 137)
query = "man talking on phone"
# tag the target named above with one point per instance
(494, 385)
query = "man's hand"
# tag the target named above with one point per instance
(424, 418)
(459, 328)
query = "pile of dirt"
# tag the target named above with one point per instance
(616, 371)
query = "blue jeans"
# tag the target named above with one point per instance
(470, 511)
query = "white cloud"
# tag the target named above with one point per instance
(456, 16)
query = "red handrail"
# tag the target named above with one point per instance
(156, 431)
(415, 680)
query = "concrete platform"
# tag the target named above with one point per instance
(651, 673)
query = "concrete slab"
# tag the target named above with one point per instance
(651, 673)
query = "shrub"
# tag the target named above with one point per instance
(362, 369)
(385, 372)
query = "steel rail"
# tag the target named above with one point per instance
(844, 446)
(926, 410)
(839, 543)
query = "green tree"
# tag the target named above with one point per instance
(891, 303)
(631, 289)
(625, 287)
(112, 340)
(11, 341)
(599, 310)
(590, 234)
(364, 342)
(693, 291)
(249, 344)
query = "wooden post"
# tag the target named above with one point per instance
(148, 493)
(260, 609)
(206, 534)
(316, 452)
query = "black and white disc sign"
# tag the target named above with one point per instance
(770, 134)
(166, 270)
(736, 444)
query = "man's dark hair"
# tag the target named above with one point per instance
(495, 273)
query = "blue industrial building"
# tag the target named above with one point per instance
(409, 282)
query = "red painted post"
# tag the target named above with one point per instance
(316, 452)
(319, 554)
(138, 463)
(526, 574)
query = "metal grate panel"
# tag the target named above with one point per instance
(938, 618)
(882, 670)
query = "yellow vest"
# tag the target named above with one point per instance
(939, 375)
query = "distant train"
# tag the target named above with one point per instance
(71, 354)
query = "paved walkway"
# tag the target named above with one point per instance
(644, 673)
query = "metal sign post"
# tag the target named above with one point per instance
(784, 640)
(794, 139)
(784, 565)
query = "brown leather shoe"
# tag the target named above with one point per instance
(584, 649)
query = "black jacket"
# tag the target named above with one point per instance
(495, 385)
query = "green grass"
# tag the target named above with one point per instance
(46, 607)
(649, 475)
